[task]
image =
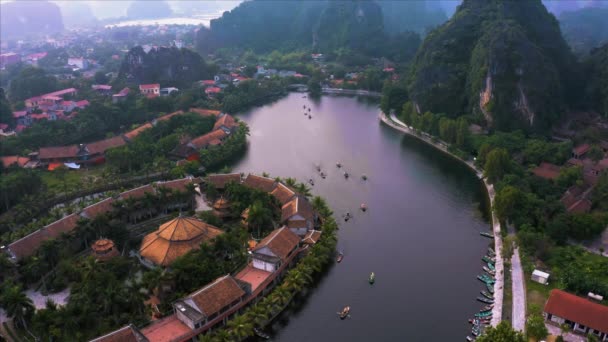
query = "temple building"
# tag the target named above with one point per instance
(104, 249)
(174, 239)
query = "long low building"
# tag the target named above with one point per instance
(582, 315)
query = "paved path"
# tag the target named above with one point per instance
(519, 292)
(397, 124)
(568, 337)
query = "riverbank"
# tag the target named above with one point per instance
(499, 285)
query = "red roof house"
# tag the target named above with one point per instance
(584, 315)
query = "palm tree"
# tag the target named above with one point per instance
(259, 314)
(259, 215)
(303, 189)
(290, 182)
(17, 304)
(240, 328)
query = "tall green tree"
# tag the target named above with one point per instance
(497, 164)
(535, 327)
(503, 332)
(17, 305)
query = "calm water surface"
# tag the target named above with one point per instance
(420, 235)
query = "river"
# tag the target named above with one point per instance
(420, 235)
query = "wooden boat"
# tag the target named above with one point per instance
(486, 234)
(311, 182)
(372, 278)
(364, 177)
(344, 313)
(484, 314)
(259, 333)
(309, 117)
(487, 295)
(309, 109)
(486, 279)
(485, 300)
(489, 271)
(488, 307)
(323, 175)
(491, 251)
(318, 167)
(363, 207)
(469, 338)
(487, 259)
(491, 266)
(340, 257)
(490, 288)
(338, 165)
(345, 174)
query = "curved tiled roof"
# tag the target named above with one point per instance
(280, 242)
(282, 193)
(176, 238)
(260, 183)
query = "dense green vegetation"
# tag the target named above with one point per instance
(31, 82)
(597, 76)
(417, 16)
(528, 62)
(585, 29)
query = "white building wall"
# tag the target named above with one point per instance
(263, 265)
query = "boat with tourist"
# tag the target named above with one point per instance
(339, 165)
(363, 207)
(469, 338)
(372, 278)
(346, 175)
(364, 177)
(345, 312)
(340, 257)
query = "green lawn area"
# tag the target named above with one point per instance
(71, 180)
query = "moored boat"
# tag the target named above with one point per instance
(489, 271)
(344, 313)
(485, 300)
(486, 234)
(372, 278)
(491, 266)
(491, 251)
(259, 333)
(490, 288)
(469, 338)
(487, 295)
(340, 257)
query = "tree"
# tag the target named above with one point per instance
(462, 132)
(507, 199)
(501, 333)
(497, 164)
(535, 327)
(31, 82)
(259, 215)
(595, 153)
(17, 304)
(101, 78)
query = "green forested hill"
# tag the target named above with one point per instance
(597, 77)
(503, 60)
(585, 29)
(286, 25)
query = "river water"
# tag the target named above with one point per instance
(420, 235)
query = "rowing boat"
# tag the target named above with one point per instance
(344, 313)
(485, 300)
(372, 278)
(486, 234)
(487, 295)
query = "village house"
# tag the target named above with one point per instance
(226, 123)
(219, 181)
(127, 333)
(121, 95)
(547, 171)
(275, 249)
(212, 91)
(575, 199)
(50, 100)
(174, 239)
(9, 161)
(283, 193)
(311, 237)
(298, 215)
(102, 89)
(221, 207)
(579, 151)
(27, 245)
(149, 89)
(190, 150)
(205, 305)
(264, 184)
(78, 63)
(581, 315)
(540, 277)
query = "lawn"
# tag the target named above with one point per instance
(71, 180)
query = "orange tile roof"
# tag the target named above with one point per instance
(577, 309)
(137, 131)
(28, 245)
(280, 242)
(166, 329)
(10, 160)
(176, 238)
(169, 116)
(58, 152)
(225, 120)
(282, 193)
(177, 184)
(106, 144)
(125, 334)
(260, 183)
(137, 192)
(297, 206)
(220, 180)
(547, 171)
(205, 140)
(98, 208)
(215, 296)
(205, 112)
(312, 237)
(253, 276)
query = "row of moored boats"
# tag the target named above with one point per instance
(483, 318)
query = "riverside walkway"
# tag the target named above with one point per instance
(397, 124)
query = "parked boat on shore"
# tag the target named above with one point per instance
(489, 271)
(487, 295)
(485, 300)
(486, 234)
(259, 333)
(491, 266)
(490, 288)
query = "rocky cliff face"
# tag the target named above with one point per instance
(22, 18)
(503, 60)
(168, 66)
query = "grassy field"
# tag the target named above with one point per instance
(71, 180)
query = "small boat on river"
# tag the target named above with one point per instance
(309, 117)
(346, 175)
(372, 278)
(469, 338)
(340, 257)
(364, 177)
(487, 259)
(363, 207)
(488, 307)
(482, 315)
(344, 313)
(323, 175)
(338, 164)
(486, 234)
(487, 295)
(485, 300)
(259, 333)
